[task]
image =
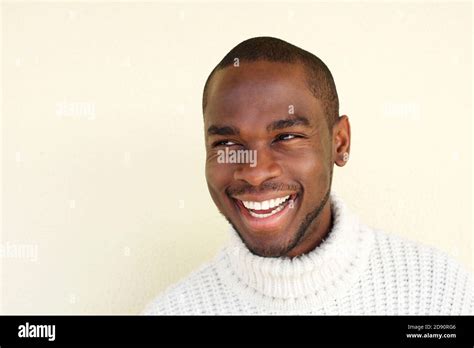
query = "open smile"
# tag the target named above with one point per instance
(266, 214)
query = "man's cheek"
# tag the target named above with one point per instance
(212, 172)
(313, 168)
(217, 197)
(218, 179)
(219, 174)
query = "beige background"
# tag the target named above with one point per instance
(104, 197)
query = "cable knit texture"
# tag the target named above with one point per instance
(354, 271)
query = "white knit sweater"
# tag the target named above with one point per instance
(356, 270)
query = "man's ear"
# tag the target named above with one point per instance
(341, 135)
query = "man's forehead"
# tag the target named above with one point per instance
(261, 93)
(263, 113)
(257, 84)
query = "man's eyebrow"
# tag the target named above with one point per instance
(289, 122)
(222, 130)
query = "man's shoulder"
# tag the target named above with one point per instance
(182, 296)
(395, 247)
(418, 265)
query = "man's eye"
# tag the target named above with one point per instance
(224, 143)
(285, 137)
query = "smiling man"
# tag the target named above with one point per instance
(295, 247)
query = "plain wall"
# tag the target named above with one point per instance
(104, 199)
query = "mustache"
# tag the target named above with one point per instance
(264, 188)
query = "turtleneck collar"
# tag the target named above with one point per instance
(311, 277)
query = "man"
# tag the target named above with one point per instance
(295, 247)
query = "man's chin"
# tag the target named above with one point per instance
(268, 251)
(274, 243)
(265, 233)
(266, 248)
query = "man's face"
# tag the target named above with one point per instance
(267, 107)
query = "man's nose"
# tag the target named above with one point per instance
(266, 168)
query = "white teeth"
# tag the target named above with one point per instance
(261, 216)
(248, 205)
(269, 204)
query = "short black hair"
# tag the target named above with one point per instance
(319, 78)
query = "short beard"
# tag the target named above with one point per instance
(303, 230)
